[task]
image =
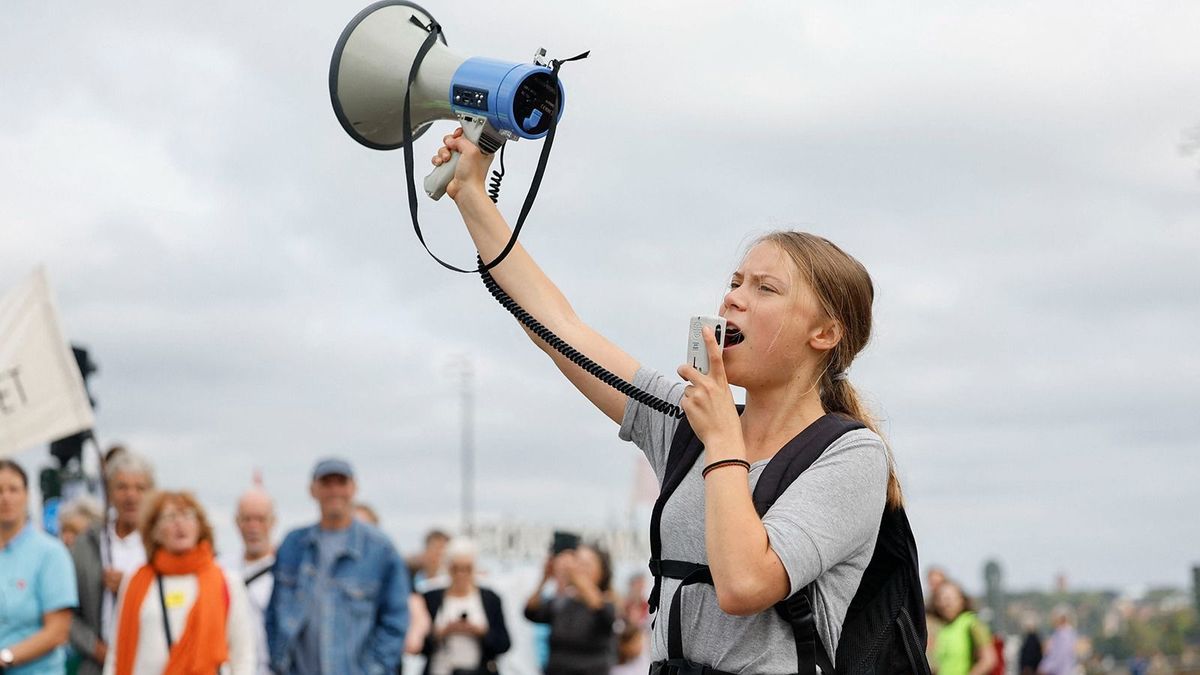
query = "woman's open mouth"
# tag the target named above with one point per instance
(733, 335)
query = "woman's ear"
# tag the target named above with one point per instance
(827, 336)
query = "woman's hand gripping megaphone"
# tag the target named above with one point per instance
(469, 166)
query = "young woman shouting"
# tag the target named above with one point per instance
(798, 312)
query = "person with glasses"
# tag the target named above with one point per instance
(468, 621)
(37, 586)
(181, 612)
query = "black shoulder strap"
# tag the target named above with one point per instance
(257, 575)
(783, 470)
(685, 450)
(799, 454)
(162, 601)
(797, 611)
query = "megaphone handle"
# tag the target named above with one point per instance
(440, 177)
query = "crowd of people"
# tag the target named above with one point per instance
(143, 590)
(961, 643)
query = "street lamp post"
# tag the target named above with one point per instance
(467, 469)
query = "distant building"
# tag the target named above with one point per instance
(1196, 588)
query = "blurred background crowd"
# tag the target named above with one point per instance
(147, 590)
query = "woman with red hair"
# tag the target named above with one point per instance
(181, 614)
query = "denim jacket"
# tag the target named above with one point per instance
(364, 613)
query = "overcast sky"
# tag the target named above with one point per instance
(1014, 175)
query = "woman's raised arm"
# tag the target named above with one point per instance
(525, 282)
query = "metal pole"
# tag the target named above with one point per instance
(468, 449)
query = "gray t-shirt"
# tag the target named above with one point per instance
(330, 545)
(823, 527)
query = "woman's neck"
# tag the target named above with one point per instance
(460, 591)
(775, 416)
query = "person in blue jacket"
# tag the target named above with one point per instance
(340, 602)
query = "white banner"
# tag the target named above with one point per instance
(42, 397)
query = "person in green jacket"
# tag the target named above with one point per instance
(964, 644)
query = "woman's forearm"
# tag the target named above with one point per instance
(747, 574)
(518, 274)
(525, 282)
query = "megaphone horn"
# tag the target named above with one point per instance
(495, 100)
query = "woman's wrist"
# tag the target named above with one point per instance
(723, 464)
(472, 201)
(722, 448)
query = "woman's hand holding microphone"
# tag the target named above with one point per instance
(709, 405)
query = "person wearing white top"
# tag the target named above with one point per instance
(180, 592)
(468, 631)
(125, 554)
(255, 519)
(184, 581)
(107, 553)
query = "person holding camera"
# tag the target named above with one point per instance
(798, 311)
(468, 631)
(581, 615)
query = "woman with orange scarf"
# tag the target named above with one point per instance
(181, 614)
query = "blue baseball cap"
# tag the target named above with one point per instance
(332, 467)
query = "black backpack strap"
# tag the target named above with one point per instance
(685, 450)
(783, 470)
(799, 454)
(797, 611)
(701, 575)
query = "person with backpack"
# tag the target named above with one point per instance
(964, 643)
(181, 612)
(735, 532)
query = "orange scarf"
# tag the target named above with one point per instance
(202, 646)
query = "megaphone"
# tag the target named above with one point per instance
(494, 100)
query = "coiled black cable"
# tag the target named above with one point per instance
(493, 190)
(558, 344)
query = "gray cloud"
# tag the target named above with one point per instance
(1012, 176)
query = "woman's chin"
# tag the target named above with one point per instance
(179, 548)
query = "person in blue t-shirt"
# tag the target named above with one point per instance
(37, 585)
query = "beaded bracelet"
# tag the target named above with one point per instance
(725, 462)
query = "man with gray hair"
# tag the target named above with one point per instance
(255, 518)
(105, 554)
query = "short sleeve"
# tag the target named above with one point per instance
(649, 429)
(980, 632)
(832, 511)
(56, 579)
